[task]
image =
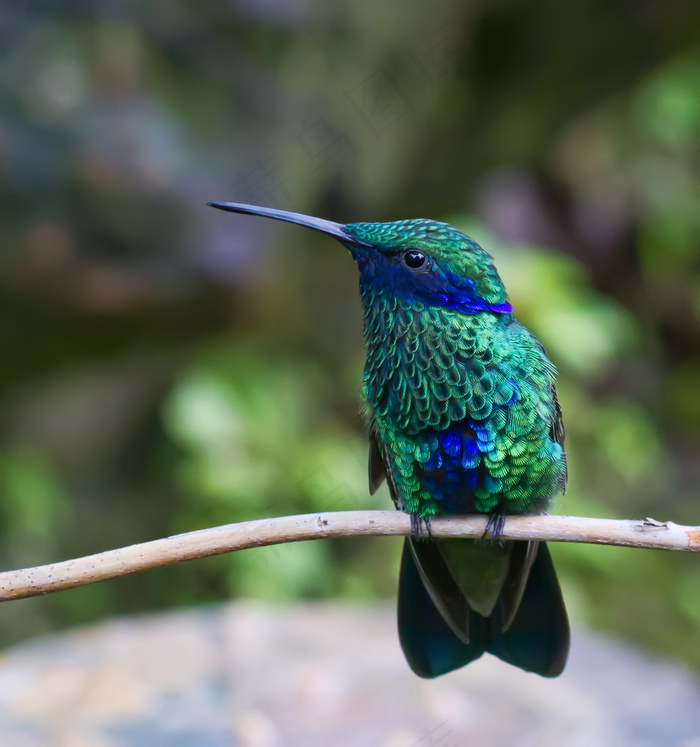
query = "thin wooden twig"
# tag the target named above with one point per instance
(70, 574)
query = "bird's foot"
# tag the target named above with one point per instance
(495, 526)
(417, 527)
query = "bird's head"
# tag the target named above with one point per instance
(413, 260)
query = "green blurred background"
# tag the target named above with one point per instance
(167, 367)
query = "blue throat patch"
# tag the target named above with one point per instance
(467, 303)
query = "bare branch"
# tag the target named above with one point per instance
(69, 574)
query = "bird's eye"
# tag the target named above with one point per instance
(414, 259)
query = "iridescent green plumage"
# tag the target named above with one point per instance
(438, 368)
(463, 418)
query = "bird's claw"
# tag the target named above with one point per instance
(495, 526)
(417, 527)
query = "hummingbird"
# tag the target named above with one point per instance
(463, 418)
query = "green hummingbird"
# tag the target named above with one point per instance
(463, 418)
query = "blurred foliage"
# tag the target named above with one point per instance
(167, 367)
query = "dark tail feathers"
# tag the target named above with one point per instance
(537, 640)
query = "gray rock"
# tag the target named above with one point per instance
(259, 675)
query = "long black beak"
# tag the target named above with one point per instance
(317, 224)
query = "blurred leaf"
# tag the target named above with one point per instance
(32, 499)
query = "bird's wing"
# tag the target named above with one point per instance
(378, 470)
(556, 428)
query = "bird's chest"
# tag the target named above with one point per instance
(426, 370)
